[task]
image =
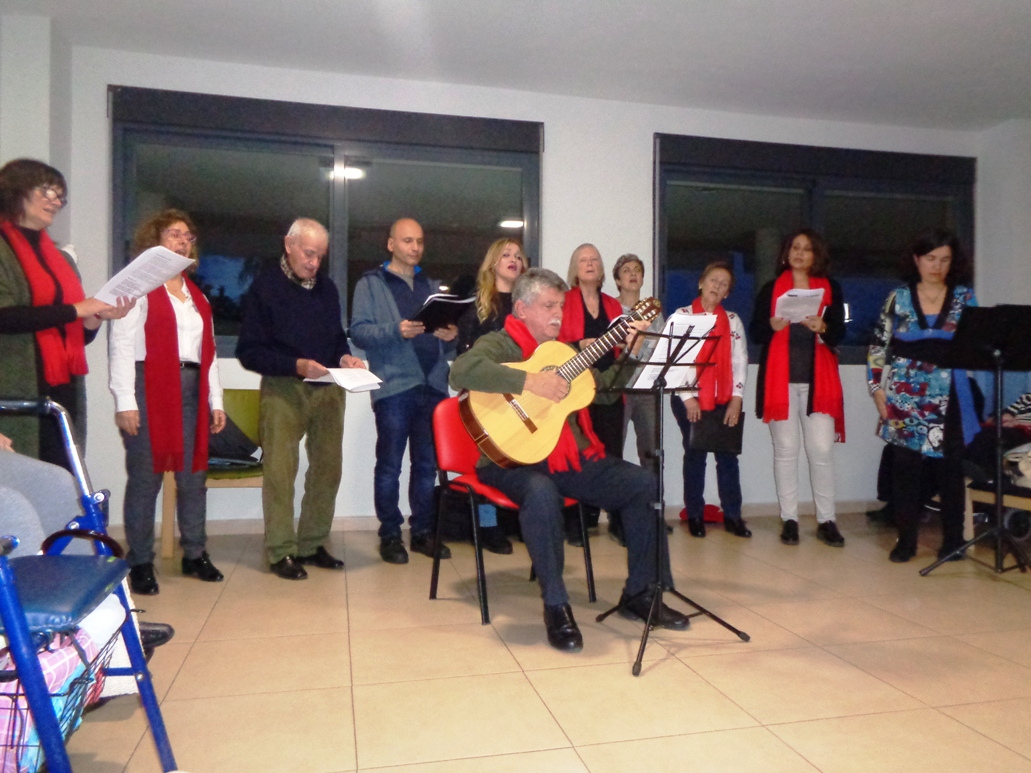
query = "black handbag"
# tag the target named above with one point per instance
(709, 433)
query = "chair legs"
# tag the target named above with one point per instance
(481, 574)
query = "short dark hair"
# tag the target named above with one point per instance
(18, 179)
(928, 241)
(148, 233)
(821, 255)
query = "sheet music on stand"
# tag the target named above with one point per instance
(681, 372)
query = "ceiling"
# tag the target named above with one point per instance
(960, 64)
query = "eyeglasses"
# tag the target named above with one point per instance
(53, 194)
(175, 233)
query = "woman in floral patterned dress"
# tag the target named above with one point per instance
(926, 411)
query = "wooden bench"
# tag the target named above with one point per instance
(241, 405)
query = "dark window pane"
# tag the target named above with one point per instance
(867, 234)
(242, 202)
(460, 207)
(742, 225)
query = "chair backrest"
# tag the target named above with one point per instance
(242, 406)
(456, 450)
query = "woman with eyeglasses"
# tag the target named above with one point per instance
(926, 412)
(164, 377)
(799, 387)
(46, 320)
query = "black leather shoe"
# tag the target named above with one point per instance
(202, 568)
(828, 533)
(392, 550)
(696, 527)
(142, 580)
(563, 632)
(737, 527)
(288, 568)
(637, 609)
(320, 558)
(789, 533)
(155, 634)
(902, 552)
(945, 550)
(427, 545)
(573, 537)
(492, 538)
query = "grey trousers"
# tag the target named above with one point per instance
(143, 484)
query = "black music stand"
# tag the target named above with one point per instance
(679, 345)
(997, 339)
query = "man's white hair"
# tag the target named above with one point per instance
(305, 225)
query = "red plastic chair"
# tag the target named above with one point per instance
(457, 453)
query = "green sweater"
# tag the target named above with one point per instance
(480, 370)
(18, 374)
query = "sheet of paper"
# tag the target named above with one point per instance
(351, 379)
(796, 305)
(148, 271)
(679, 324)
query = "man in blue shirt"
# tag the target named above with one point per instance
(292, 330)
(414, 368)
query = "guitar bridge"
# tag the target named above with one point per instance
(514, 404)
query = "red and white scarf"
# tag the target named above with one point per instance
(826, 392)
(716, 383)
(63, 355)
(565, 455)
(163, 386)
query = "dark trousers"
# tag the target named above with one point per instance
(405, 420)
(143, 484)
(728, 475)
(909, 469)
(608, 483)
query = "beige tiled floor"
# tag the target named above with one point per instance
(854, 664)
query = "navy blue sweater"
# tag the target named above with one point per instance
(283, 323)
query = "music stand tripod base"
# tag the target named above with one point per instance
(659, 391)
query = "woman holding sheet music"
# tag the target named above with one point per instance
(721, 389)
(164, 377)
(799, 384)
(501, 267)
(46, 320)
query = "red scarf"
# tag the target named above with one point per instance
(573, 315)
(826, 394)
(63, 355)
(163, 388)
(716, 384)
(566, 455)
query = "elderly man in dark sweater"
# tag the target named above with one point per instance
(291, 331)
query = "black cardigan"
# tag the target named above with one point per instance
(760, 332)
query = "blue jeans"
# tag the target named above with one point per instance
(728, 477)
(405, 420)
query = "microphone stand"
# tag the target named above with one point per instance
(659, 390)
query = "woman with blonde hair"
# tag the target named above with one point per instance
(502, 265)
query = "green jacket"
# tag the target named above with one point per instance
(18, 376)
(480, 370)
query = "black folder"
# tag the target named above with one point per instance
(441, 310)
(709, 433)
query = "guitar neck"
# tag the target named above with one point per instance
(585, 359)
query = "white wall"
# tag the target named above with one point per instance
(597, 186)
(25, 87)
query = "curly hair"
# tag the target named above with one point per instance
(928, 241)
(821, 255)
(486, 286)
(148, 233)
(18, 179)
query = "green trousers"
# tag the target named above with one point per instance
(292, 409)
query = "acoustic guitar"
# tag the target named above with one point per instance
(514, 430)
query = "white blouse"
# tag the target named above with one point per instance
(128, 345)
(738, 353)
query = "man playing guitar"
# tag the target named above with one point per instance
(577, 467)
